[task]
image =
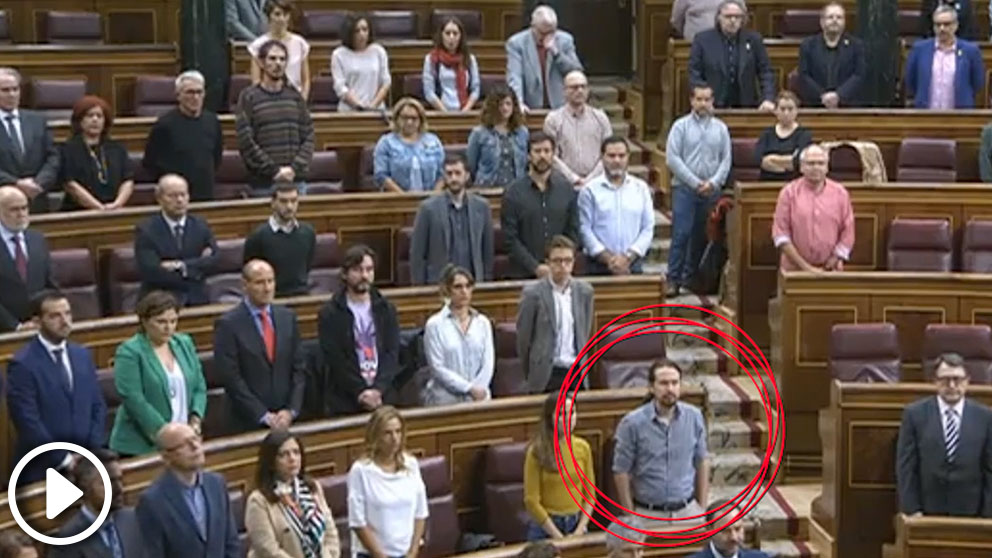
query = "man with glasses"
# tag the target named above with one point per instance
(578, 130)
(554, 320)
(944, 72)
(733, 61)
(186, 512)
(944, 453)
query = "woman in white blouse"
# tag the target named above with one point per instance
(387, 498)
(459, 345)
(280, 12)
(360, 67)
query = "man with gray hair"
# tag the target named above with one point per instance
(733, 60)
(29, 159)
(538, 59)
(187, 140)
(944, 72)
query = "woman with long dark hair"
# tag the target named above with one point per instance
(360, 67)
(451, 72)
(287, 514)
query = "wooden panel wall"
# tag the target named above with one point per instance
(939, 537)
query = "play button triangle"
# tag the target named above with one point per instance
(59, 493)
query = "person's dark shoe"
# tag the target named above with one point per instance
(673, 290)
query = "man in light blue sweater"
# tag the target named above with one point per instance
(699, 155)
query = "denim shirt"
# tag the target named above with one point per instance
(396, 159)
(483, 154)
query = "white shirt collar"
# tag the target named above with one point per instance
(172, 223)
(556, 288)
(605, 181)
(719, 554)
(7, 233)
(49, 346)
(958, 408)
(15, 113)
(276, 227)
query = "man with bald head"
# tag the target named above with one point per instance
(814, 220)
(258, 348)
(537, 60)
(29, 159)
(175, 251)
(579, 129)
(24, 266)
(186, 512)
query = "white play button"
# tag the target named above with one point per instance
(59, 493)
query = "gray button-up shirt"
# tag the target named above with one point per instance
(660, 459)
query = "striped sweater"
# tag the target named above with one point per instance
(274, 130)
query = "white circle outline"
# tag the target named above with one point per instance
(30, 531)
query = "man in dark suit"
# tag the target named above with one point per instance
(119, 536)
(944, 453)
(53, 394)
(24, 264)
(360, 339)
(186, 512)
(832, 64)
(455, 227)
(28, 156)
(257, 347)
(733, 61)
(729, 541)
(175, 251)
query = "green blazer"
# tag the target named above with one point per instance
(144, 390)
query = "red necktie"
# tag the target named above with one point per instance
(268, 336)
(20, 260)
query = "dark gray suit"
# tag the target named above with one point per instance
(537, 328)
(927, 482)
(15, 293)
(254, 385)
(245, 19)
(93, 546)
(432, 237)
(39, 161)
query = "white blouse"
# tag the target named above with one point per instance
(458, 361)
(298, 49)
(178, 399)
(386, 503)
(361, 73)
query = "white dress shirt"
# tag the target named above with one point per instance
(276, 227)
(458, 361)
(958, 412)
(565, 322)
(718, 554)
(65, 354)
(7, 241)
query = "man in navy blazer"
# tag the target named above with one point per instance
(960, 56)
(25, 268)
(733, 61)
(175, 251)
(53, 394)
(832, 65)
(265, 388)
(729, 541)
(186, 511)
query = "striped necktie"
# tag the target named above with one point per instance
(952, 433)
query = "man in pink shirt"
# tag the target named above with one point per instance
(814, 220)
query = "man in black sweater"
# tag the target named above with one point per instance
(187, 140)
(285, 243)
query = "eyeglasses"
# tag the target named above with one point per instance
(561, 261)
(952, 380)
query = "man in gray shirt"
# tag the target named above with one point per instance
(660, 462)
(698, 154)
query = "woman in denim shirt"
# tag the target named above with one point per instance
(408, 159)
(497, 149)
(451, 72)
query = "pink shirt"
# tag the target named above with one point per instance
(942, 77)
(817, 223)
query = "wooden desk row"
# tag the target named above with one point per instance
(459, 432)
(859, 499)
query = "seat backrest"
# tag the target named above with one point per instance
(154, 95)
(73, 28)
(322, 95)
(920, 245)
(402, 243)
(327, 251)
(626, 363)
(488, 82)
(792, 82)
(443, 533)
(506, 339)
(972, 342)
(909, 23)
(976, 247)
(471, 20)
(55, 97)
(395, 24)
(413, 86)
(800, 23)
(324, 169)
(927, 160)
(504, 492)
(323, 25)
(4, 27)
(231, 178)
(72, 271)
(235, 85)
(845, 164)
(336, 493)
(123, 281)
(230, 255)
(744, 166)
(856, 349)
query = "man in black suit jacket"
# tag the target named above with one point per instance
(831, 64)
(944, 453)
(257, 347)
(358, 320)
(28, 156)
(175, 251)
(24, 264)
(53, 394)
(733, 61)
(186, 511)
(119, 536)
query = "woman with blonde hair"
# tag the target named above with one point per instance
(387, 498)
(408, 159)
(553, 512)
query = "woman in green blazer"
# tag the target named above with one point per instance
(158, 377)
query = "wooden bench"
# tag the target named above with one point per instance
(859, 500)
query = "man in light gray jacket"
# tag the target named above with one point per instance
(245, 19)
(455, 226)
(538, 59)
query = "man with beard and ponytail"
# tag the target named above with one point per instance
(360, 339)
(537, 208)
(616, 215)
(660, 462)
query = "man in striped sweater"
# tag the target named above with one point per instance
(275, 133)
